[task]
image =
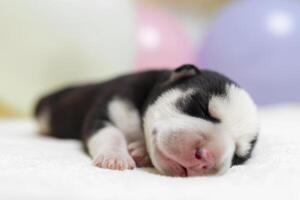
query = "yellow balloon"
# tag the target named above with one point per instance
(47, 44)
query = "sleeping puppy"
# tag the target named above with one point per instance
(186, 122)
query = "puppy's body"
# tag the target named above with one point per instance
(192, 122)
(69, 108)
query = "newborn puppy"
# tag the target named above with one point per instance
(186, 122)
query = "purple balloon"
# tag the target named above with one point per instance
(257, 43)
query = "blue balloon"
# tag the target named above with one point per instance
(257, 43)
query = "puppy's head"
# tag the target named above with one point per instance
(199, 122)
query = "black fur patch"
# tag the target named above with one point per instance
(205, 85)
(196, 105)
(78, 111)
(238, 160)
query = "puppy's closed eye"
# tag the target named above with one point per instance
(194, 105)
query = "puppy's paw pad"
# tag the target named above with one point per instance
(98, 161)
(114, 161)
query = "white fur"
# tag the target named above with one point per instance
(108, 149)
(239, 122)
(43, 121)
(108, 146)
(126, 117)
(162, 109)
(106, 139)
(238, 126)
(238, 115)
(166, 118)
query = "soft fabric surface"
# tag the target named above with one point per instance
(35, 167)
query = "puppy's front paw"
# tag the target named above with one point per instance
(139, 153)
(114, 161)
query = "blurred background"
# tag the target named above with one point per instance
(47, 44)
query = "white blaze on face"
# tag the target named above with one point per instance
(237, 128)
(162, 110)
(239, 118)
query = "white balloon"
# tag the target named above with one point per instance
(45, 44)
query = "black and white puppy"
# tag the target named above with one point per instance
(186, 122)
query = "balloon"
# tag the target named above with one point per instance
(47, 44)
(257, 43)
(162, 42)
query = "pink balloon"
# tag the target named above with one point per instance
(162, 42)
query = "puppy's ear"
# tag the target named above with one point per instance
(184, 71)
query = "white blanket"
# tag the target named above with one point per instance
(35, 167)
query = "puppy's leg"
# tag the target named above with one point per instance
(108, 149)
(137, 150)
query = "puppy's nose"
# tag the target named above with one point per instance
(206, 158)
